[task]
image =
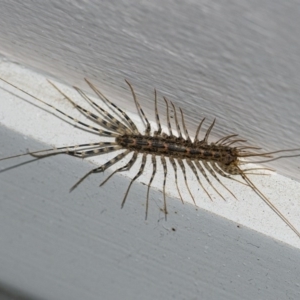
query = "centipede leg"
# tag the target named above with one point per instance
(135, 177)
(164, 163)
(173, 163)
(151, 179)
(101, 168)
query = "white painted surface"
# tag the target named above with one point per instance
(249, 210)
(238, 62)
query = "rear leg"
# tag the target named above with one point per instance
(265, 199)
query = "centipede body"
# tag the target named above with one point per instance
(218, 159)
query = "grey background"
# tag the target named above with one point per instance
(234, 60)
(237, 61)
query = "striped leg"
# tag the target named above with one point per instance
(181, 164)
(168, 118)
(187, 136)
(144, 118)
(225, 138)
(87, 113)
(176, 120)
(158, 132)
(220, 172)
(173, 163)
(124, 168)
(189, 162)
(81, 125)
(211, 171)
(208, 131)
(83, 150)
(121, 127)
(119, 111)
(101, 168)
(135, 177)
(163, 161)
(198, 130)
(267, 201)
(151, 179)
(200, 168)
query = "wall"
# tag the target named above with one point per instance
(238, 62)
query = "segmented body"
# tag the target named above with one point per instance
(219, 159)
(179, 148)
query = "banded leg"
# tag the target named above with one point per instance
(81, 125)
(94, 152)
(192, 166)
(122, 169)
(245, 171)
(151, 179)
(144, 118)
(111, 119)
(187, 136)
(240, 148)
(164, 163)
(115, 108)
(220, 172)
(225, 138)
(229, 143)
(211, 171)
(135, 177)
(208, 131)
(198, 130)
(54, 151)
(200, 168)
(173, 163)
(98, 150)
(101, 168)
(176, 120)
(181, 164)
(86, 113)
(158, 132)
(168, 117)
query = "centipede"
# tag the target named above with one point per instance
(224, 158)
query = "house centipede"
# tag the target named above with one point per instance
(219, 159)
